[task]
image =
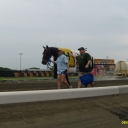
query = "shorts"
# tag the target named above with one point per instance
(85, 71)
(62, 72)
(80, 74)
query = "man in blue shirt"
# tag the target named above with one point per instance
(62, 68)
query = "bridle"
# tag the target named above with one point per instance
(46, 57)
(46, 54)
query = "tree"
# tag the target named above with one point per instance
(5, 69)
(33, 68)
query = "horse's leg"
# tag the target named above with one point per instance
(66, 75)
(55, 71)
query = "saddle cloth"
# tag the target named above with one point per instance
(71, 60)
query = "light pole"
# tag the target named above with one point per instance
(20, 59)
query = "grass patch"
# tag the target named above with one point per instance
(29, 78)
(23, 78)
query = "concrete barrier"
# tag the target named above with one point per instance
(45, 95)
(123, 89)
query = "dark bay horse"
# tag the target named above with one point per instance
(47, 54)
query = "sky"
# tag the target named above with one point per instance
(101, 26)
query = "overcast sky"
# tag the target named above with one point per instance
(27, 25)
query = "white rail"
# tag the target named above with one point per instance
(45, 95)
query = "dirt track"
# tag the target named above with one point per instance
(99, 112)
(52, 84)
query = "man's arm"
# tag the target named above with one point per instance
(87, 65)
(89, 60)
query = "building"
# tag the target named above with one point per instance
(103, 67)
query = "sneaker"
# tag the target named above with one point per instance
(69, 87)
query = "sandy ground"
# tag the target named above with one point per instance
(94, 112)
(52, 84)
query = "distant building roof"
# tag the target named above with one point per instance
(38, 70)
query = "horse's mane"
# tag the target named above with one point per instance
(54, 52)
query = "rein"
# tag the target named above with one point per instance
(47, 54)
(48, 65)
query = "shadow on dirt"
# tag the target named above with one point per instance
(115, 106)
(121, 112)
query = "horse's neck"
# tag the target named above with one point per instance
(55, 57)
(54, 52)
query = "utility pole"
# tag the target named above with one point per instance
(20, 59)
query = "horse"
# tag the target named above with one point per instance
(47, 54)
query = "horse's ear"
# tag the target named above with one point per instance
(43, 47)
(47, 46)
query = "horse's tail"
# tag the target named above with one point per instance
(67, 78)
(55, 71)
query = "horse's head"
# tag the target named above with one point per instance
(46, 55)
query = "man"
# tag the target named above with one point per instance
(62, 68)
(83, 61)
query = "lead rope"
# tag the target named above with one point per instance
(48, 65)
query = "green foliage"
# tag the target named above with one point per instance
(5, 69)
(33, 68)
